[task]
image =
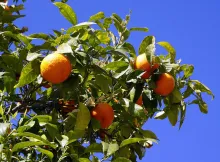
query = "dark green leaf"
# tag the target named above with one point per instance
(148, 134)
(103, 82)
(40, 36)
(160, 115)
(201, 87)
(176, 96)
(95, 147)
(52, 130)
(121, 159)
(172, 114)
(67, 12)
(182, 114)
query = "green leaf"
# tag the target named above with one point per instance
(13, 62)
(112, 148)
(187, 92)
(74, 135)
(103, 82)
(83, 117)
(46, 152)
(22, 145)
(103, 37)
(170, 49)
(79, 26)
(182, 115)
(187, 69)
(160, 115)
(129, 47)
(202, 105)
(84, 160)
(53, 130)
(28, 134)
(116, 65)
(139, 29)
(43, 119)
(107, 22)
(40, 36)
(33, 56)
(201, 87)
(134, 109)
(147, 46)
(95, 147)
(121, 159)
(172, 114)
(131, 141)
(29, 73)
(176, 96)
(67, 12)
(148, 134)
(98, 16)
(10, 18)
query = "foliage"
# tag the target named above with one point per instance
(34, 126)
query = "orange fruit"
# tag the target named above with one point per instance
(165, 84)
(139, 101)
(104, 113)
(55, 68)
(142, 63)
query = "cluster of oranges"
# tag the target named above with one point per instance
(56, 68)
(164, 84)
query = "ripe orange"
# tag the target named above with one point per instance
(142, 63)
(139, 101)
(165, 84)
(55, 68)
(104, 113)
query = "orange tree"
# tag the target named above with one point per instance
(85, 91)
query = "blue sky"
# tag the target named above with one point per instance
(192, 27)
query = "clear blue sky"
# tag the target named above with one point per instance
(192, 27)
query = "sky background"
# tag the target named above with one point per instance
(192, 27)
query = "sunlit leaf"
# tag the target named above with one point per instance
(83, 117)
(67, 12)
(98, 16)
(170, 49)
